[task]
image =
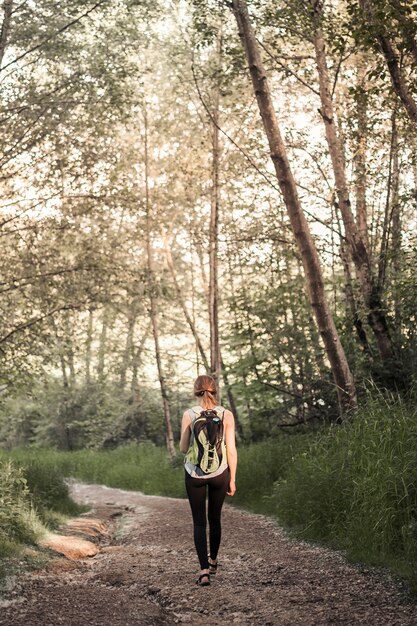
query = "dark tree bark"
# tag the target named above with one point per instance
(398, 78)
(391, 199)
(407, 25)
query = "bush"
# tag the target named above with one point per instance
(16, 515)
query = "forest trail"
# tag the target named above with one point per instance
(146, 576)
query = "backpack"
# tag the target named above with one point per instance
(207, 446)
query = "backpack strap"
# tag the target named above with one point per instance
(221, 410)
(197, 410)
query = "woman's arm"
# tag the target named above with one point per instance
(185, 432)
(231, 450)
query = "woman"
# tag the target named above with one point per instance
(218, 483)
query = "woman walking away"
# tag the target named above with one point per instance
(208, 442)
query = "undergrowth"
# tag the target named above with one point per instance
(355, 487)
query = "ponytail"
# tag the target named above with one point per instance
(205, 389)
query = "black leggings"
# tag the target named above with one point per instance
(196, 491)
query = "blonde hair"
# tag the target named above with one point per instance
(205, 389)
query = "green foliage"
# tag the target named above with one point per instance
(15, 508)
(260, 466)
(142, 467)
(356, 486)
(89, 416)
(45, 483)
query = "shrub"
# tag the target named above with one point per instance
(16, 514)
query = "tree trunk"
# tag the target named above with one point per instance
(398, 79)
(340, 368)
(135, 357)
(361, 146)
(102, 345)
(5, 27)
(407, 25)
(127, 352)
(352, 304)
(392, 196)
(215, 358)
(396, 236)
(88, 345)
(369, 289)
(231, 282)
(69, 350)
(183, 306)
(230, 397)
(152, 287)
(200, 255)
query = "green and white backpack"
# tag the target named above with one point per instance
(207, 446)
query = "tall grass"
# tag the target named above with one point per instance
(260, 465)
(356, 487)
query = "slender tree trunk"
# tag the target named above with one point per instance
(153, 303)
(392, 196)
(135, 358)
(340, 368)
(69, 350)
(63, 371)
(5, 27)
(88, 345)
(230, 396)
(361, 147)
(398, 79)
(215, 358)
(102, 345)
(71, 366)
(61, 354)
(352, 305)
(183, 305)
(200, 255)
(127, 351)
(369, 289)
(231, 282)
(396, 235)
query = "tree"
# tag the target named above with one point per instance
(340, 368)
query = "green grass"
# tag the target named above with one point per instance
(140, 467)
(259, 467)
(355, 488)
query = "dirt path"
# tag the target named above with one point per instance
(146, 576)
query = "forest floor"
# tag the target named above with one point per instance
(145, 570)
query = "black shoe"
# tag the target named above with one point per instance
(202, 583)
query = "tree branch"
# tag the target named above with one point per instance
(52, 35)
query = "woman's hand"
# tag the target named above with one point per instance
(232, 488)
